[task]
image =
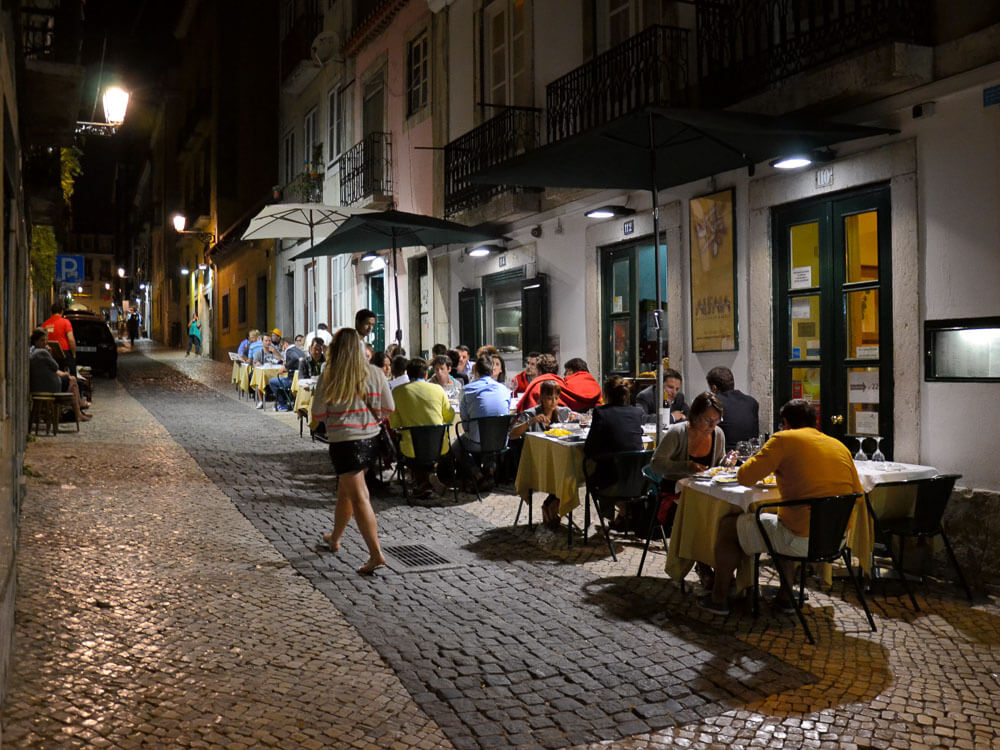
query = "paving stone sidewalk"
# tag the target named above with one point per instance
(926, 680)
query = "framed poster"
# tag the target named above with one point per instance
(713, 273)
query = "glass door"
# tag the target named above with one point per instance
(376, 303)
(628, 281)
(833, 313)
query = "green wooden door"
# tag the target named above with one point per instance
(833, 304)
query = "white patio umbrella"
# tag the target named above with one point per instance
(299, 221)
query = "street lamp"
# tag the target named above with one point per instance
(121, 272)
(115, 105)
(180, 221)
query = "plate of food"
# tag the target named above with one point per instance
(558, 432)
(769, 481)
(725, 479)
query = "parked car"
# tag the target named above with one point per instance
(95, 343)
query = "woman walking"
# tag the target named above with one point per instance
(194, 335)
(351, 399)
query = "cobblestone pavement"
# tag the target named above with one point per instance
(186, 624)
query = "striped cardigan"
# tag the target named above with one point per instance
(352, 420)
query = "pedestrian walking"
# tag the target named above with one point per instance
(351, 399)
(194, 336)
(133, 327)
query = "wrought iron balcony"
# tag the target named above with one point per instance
(649, 68)
(52, 30)
(744, 46)
(512, 132)
(366, 171)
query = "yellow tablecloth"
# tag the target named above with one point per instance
(295, 383)
(701, 506)
(551, 466)
(262, 374)
(244, 378)
(236, 372)
(303, 401)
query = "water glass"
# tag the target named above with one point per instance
(860, 455)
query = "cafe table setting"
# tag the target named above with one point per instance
(262, 375)
(706, 498)
(552, 462)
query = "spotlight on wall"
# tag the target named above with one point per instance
(797, 161)
(608, 212)
(185, 271)
(368, 257)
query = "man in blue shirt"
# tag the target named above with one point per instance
(483, 397)
(256, 344)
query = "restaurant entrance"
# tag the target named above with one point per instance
(628, 294)
(833, 324)
(376, 303)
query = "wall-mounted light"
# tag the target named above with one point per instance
(202, 267)
(107, 285)
(608, 212)
(79, 290)
(179, 221)
(378, 264)
(115, 102)
(142, 286)
(185, 272)
(797, 161)
(121, 272)
(368, 257)
(482, 251)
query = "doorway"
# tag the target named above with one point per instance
(376, 303)
(833, 307)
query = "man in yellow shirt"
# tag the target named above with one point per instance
(806, 464)
(420, 403)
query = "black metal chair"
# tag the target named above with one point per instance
(614, 478)
(828, 519)
(427, 441)
(654, 493)
(932, 497)
(492, 433)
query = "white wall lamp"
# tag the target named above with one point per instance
(609, 212)
(800, 160)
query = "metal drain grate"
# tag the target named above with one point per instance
(412, 558)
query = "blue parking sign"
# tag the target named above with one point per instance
(69, 269)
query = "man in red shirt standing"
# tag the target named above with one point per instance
(60, 330)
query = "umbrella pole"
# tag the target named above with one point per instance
(395, 284)
(656, 272)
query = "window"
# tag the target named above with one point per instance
(241, 305)
(289, 163)
(312, 150)
(338, 118)
(225, 311)
(340, 288)
(507, 54)
(962, 349)
(417, 66)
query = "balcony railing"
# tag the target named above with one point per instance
(649, 68)
(51, 30)
(296, 45)
(512, 132)
(366, 170)
(744, 46)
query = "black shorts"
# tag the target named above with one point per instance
(64, 382)
(353, 455)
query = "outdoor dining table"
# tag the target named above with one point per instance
(554, 465)
(242, 377)
(262, 375)
(703, 504)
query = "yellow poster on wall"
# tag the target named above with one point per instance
(713, 279)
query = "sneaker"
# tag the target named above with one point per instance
(260, 405)
(281, 408)
(706, 603)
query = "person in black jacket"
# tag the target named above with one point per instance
(740, 419)
(673, 399)
(615, 427)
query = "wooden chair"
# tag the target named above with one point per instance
(49, 407)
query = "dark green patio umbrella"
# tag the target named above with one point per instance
(659, 147)
(385, 230)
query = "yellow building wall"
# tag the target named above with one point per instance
(242, 267)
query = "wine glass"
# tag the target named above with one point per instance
(860, 455)
(878, 456)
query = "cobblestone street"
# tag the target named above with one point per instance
(172, 592)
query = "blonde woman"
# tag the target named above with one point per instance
(351, 399)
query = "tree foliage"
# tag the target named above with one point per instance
(69, 170)
(43, 258)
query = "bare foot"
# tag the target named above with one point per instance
(333, 545)
(372, 565)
